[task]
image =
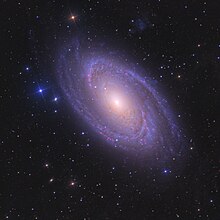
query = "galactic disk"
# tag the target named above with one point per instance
(121, 105)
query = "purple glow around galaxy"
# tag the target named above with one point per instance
(121, 106)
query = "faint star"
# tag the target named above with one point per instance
(72, 184)
(166, 171)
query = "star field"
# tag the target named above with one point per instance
(54, 165)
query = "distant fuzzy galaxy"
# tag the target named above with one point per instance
(123, 107)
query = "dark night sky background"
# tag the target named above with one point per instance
(52, 165)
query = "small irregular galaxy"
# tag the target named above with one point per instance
(126, 109)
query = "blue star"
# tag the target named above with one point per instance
(166, 171)
(40, 90)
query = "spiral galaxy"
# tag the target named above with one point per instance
(121, 105)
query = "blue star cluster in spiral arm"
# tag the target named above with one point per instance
(121, 105)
